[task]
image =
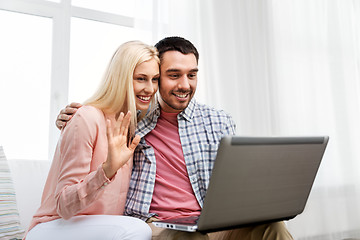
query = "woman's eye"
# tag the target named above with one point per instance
(141, 79)
(156, 79)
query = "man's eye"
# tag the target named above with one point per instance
(174, 75)
(192, 75)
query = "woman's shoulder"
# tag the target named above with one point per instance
(89, 114)
(89, 110)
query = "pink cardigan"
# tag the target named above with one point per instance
(76, 184)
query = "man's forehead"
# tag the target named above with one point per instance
(177, 60)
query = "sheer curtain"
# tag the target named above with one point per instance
(315, 88)
(287, 68)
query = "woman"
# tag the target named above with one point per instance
(86, 188)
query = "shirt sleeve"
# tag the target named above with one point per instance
(77, 187)
(229, 127)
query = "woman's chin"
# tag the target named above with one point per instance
(142, 107)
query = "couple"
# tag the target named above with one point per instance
(102, 170)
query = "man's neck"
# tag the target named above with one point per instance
(166, 108)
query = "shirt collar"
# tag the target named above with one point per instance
(149, 121)
(188, 112)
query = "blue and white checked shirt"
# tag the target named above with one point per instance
(201, 129)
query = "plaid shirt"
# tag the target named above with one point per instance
(201, 129)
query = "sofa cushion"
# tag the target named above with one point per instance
(9, 217)
(29, 177)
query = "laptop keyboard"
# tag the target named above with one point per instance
(184, 220)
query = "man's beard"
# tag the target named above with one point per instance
(173, 106)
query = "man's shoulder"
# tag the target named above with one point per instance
(217, 119)
(215, 123)
(209, 111)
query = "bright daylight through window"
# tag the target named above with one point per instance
(25, 75)
(54, 52)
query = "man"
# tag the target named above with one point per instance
(179, 140)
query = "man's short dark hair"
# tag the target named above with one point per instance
(176, 44)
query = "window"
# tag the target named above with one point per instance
(54, 52)
(92, 45)
(121, 7)
(25, 75)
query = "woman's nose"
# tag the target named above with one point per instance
(149, 88)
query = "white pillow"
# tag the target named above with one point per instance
(9, 215)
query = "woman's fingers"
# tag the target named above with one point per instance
(125, 124)
(109, 132)
(122, 125)
(118, 150)
(118, 124)
(134, 143)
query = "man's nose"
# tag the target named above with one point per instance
(183, 83)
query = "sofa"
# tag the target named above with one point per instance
(21, 185)
(29, 177)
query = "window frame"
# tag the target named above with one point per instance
(61, 14)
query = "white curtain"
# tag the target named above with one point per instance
(287, 67)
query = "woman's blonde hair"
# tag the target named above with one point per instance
(116, 92)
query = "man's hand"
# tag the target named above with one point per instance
(66, 114)
(118, 150)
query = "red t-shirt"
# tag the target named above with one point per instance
(173, 195)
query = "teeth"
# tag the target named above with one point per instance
(181, 95)
(144, 98)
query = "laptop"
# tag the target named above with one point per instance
(256, 180)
